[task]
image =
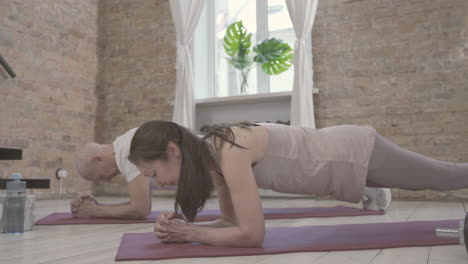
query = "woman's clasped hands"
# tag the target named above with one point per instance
(170, 228)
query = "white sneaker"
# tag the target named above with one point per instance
(376, 198)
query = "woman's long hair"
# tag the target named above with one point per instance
(195, 184)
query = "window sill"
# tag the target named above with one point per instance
(264, 97)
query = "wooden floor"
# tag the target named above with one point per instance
(98, 243)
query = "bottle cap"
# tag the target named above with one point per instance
(16, 186)
(16, 176)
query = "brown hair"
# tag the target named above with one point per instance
(195, 184)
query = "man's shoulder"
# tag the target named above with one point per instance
(122, 149)
(122, 146)
(126, 137)
(130, 133)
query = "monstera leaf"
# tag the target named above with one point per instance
(274, 55)
(237, 41)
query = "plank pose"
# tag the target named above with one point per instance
(100, 163)
(339, 161)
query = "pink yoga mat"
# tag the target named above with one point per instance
(145, 246)
(212, 214)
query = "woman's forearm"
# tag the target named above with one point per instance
(222, 236)
(218, 223)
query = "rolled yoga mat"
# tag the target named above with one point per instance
(145, 246)
(213, 214)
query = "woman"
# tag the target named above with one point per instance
(338, 161)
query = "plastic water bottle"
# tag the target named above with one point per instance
(14, 205)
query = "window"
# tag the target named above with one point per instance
(213, 76)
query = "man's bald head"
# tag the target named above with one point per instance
(85, 161)
(96, 162)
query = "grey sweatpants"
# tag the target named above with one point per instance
(394, 167)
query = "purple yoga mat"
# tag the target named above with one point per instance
(145, 246)
(213, 214)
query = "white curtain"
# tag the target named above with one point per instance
(302, 14)
(185, 14)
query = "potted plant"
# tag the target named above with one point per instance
(274, 55)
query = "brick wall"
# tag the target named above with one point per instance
(136, 83)
(50, 107)
(401, 67)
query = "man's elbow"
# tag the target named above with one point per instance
(140, 214)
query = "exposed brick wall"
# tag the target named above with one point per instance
(397, 66)
(401, 67)
(50, 107)
(136, 83)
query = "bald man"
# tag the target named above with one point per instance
(101, 163)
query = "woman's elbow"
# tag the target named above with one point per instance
(254, 239)
(256, 243)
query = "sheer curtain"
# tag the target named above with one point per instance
(185, 15)
(302, 14)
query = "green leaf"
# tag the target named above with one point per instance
(237, 41)
(274, 55)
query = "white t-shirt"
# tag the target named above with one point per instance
(122, 149)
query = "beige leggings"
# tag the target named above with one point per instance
(394, 167)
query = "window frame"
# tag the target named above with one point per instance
(206, 76)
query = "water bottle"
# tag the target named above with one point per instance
(14, 205)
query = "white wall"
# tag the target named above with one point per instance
(270, 109)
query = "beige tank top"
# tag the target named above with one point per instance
(329, 161)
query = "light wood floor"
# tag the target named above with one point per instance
(98, 243)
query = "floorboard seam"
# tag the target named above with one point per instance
(52, 261)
